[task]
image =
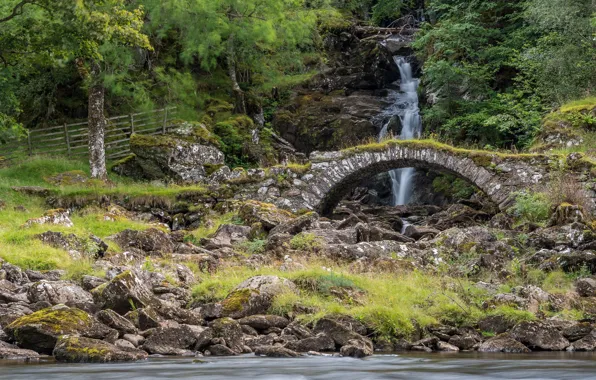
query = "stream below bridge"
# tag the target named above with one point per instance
(462, 366)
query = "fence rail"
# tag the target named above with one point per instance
(72, 139)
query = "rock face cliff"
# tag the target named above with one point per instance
(339, 106)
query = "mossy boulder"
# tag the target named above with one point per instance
(265, 213)
(153, 241)
(75, 349)
(39, 331)
(169, 157)
(255, 295)
(124, 293)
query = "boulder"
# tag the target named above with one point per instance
(75, 349)
(418, 232)
(577, 331)
(123, 293)
(341, 333)
(587, 343)
(91, 282)
(465, 338)
(255, 295)
(264, 322)
(320, 343)
(495, 323)
(144, 318)
(539, 336)
(223, 331)
(226, 236)
(586, 287)
(152, 241)
(175, 158)
(14, 274)
(295, 226)
(446, 347)
(357, 348)
(12, 352)
(275, 352)
(13, 311)
(40, 330)
(114, 320)
(502, 343)
(59, 217)
(174, 340)
(77, 247)
(135, 339)
(58, 292)
(265, 213)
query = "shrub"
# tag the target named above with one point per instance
(563, 188)
(306, 242)
(253, 247)
(531, 207)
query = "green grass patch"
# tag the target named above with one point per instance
(580, 105)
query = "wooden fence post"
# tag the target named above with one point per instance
(29, 143)
(67, 138)
(165, 121)
(132, 123)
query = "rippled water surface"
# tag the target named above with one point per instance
(436, 366)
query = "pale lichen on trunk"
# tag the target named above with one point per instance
(240, 106)
(97, 127)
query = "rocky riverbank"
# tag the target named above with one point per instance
(158, 292)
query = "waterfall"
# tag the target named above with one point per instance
(406, 108)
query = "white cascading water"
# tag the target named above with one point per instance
(406, 108)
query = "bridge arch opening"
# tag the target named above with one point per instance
(367, 174)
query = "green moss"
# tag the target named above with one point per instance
(124, 160)
(148, 141)
(580, 105)
(236, 300)
(58, 322)
(211, 168)
(480, 157)
(306, 242)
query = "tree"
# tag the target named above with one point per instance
(238, 31)
(91, 35)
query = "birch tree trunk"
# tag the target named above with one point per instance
(97, 128)
(240, 106)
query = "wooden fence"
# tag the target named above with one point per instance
(71, 140)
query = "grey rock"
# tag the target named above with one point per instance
(503, 343)
(539, 335)
(275, 352)
(58, 292)
(74, 349)
(114, 320)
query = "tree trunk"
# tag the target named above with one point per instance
(97, 129)
(240, 106)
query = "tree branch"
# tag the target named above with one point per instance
(16, 11)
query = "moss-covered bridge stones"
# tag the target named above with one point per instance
(332, 175)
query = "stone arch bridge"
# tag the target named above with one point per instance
(332, 175)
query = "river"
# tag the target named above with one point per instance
(542, 366)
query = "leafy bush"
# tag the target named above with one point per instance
(253, 246)
(531, 207)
